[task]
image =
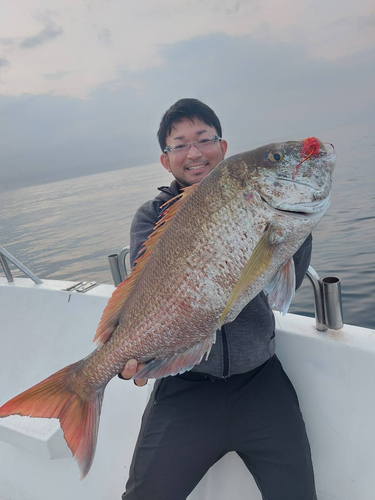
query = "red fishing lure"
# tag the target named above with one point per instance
(310, 146)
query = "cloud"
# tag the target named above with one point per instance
(233, 9)
(95, 40)
(6, 41)
(366, 22)
(105, 36)
(262, 91)
(3, 63)
(49, 32)
(55, 76)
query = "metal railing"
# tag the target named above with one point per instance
(327, 292)
(5, 256)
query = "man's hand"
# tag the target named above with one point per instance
(131, 369)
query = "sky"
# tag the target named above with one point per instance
(84, 83)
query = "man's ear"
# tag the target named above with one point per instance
(224, 147)
(164, 160)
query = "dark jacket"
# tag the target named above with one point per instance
(249, 340)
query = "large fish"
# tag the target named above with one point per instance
(215, 249)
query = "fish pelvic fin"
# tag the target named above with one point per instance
(179, 363)
(110, 317)
(55, 398)
(258, 264)
(281, 289)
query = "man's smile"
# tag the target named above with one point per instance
(197, 167)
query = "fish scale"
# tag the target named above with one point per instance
(217, 246)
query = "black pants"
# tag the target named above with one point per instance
(188, 425)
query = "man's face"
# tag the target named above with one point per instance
(194, 165)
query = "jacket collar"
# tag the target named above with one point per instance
(168, 192)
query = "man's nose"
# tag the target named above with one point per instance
(194, 152)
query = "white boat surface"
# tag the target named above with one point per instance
(44, 328)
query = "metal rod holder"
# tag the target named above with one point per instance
(332, 303)
(328, 302)
(117, 265)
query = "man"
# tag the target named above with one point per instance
(240, 399)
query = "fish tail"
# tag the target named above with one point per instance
(56, 397)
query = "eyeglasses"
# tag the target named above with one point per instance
(202, 145)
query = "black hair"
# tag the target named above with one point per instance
(186, 108)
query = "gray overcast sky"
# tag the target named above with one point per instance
(83, 85)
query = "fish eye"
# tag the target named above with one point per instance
(275, 156)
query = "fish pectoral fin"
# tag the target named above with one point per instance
(281, 289)
(179, 363)
(257, 264)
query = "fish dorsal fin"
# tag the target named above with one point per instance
(257, 264)
(179, 363)
(172, 207)
(110, 317)
(282, 288)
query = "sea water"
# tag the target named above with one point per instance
(66, 229)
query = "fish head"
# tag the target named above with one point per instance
(288, 179)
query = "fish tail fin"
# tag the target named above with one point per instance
(55, 397)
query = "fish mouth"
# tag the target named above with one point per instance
(327, 150)
(306, 210)
(286, 179)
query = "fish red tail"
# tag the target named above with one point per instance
(55, 397)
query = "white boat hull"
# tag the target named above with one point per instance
(44, 328)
